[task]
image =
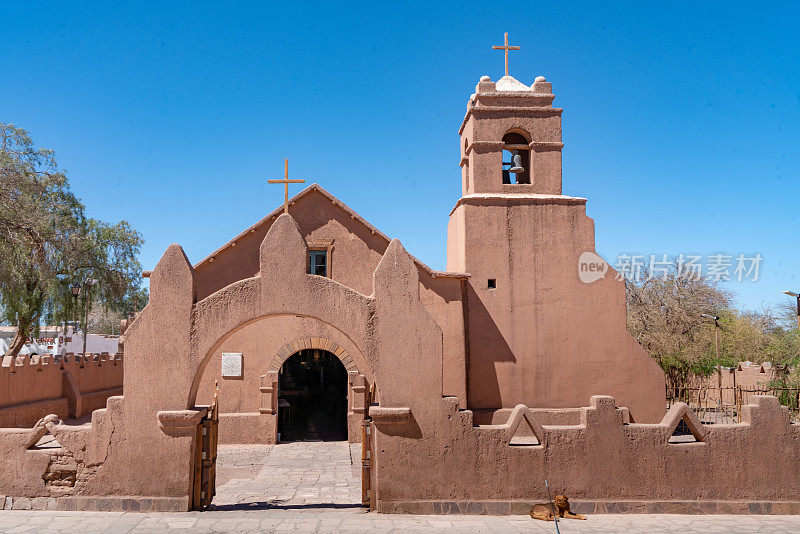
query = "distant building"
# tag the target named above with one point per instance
(53, 340)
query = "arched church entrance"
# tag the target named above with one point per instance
(312, 397)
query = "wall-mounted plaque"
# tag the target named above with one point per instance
(232, 365)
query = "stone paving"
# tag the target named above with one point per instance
(315, 487)
(294, 476)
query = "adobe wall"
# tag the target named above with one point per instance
(69, 386)
(747, 375)
(444, 299)
(172, 341)
(541, 327)
(240, 419)
(738, 385)
(430, 457)
(603, 463)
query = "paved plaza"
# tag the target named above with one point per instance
(315, 487)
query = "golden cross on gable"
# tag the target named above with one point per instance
(505, 48)
(286, 181)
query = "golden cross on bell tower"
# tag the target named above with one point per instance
(505, 48)
(286, 181)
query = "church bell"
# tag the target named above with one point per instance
(516, 164)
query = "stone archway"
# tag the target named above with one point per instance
(263, 345)
(312, 343)
(357, 396)
(313, 398)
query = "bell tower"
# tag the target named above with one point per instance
(511, 139)
(536, 334)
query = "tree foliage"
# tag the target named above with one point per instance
(665, 315)
(47, 243)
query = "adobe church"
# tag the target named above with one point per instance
(517, 325)
(468, 387)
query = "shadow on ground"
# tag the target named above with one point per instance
(281, 505)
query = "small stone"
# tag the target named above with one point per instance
(22, 503)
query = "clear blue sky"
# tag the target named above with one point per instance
(681, 122)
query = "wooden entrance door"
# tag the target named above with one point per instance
(205, 461)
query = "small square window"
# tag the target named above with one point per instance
(318, 262)
(492, 283)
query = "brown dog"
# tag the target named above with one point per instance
(545, 511)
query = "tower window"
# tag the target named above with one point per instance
(492, 283)
(318, 262)
(516, 159)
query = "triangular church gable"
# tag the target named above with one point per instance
(356, 246)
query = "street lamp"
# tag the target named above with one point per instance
(716, 351)
(795, 295)
(86, 288)
(88, 285)
(76, 291)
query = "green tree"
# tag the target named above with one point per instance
(105, 319)
(751, 336)
(47, 244)
(665, 315)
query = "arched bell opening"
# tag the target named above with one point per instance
(312, 397)
(516, 159)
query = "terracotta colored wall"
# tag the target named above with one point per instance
(542, 328)
(443, 298)
(749, 379)
(746, 376)
(422, 444)
(29, 382)
(154, 424)
(85, 450)
(37, 387)
(602, 458)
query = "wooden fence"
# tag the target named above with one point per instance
(723, 405)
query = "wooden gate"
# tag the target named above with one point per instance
(366, 452)
(205, 460)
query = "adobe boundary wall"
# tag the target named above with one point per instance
(69, 386)
(604, 464)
